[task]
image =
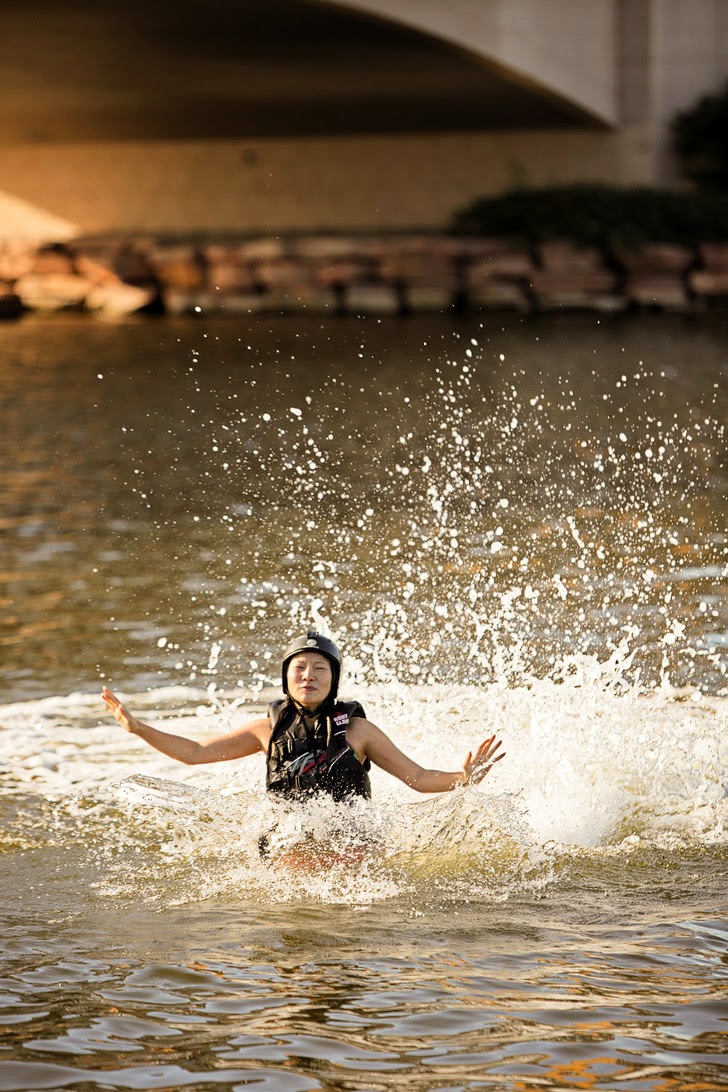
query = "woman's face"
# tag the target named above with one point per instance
(309, 679)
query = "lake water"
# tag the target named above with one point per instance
(508, 524)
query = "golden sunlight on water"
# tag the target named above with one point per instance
(517, 528)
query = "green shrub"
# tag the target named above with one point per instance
(596, 215)
(700, 140)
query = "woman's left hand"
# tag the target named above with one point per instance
(477, 765)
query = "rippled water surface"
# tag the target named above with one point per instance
(516, 526)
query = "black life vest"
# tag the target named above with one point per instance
(303, 760)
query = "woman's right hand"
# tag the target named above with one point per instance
(119, 712)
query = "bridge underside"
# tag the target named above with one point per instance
(94, 70)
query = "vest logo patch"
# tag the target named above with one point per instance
(341, 718)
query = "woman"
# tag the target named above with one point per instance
(313, 742)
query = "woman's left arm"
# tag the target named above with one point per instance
(372, 743)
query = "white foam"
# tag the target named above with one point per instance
(588, 761)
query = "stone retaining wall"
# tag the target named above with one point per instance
(353, 275)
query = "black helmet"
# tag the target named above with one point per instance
(314, 642)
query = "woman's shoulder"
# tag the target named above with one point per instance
(352, 708)
(359, 726)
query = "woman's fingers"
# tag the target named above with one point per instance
(488, 748)
(112, 702)
(109, 697)
(488, 745)
(117, 710)
(485, 758)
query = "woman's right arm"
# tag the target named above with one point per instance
(240, 743)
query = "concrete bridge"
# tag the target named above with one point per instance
(244, 115)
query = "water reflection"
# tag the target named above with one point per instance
(292, 1010)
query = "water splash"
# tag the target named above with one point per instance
(498, 539)
(593, 770)
(480, 521)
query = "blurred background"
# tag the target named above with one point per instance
(294, 115)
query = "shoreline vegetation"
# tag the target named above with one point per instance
(578, 247)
